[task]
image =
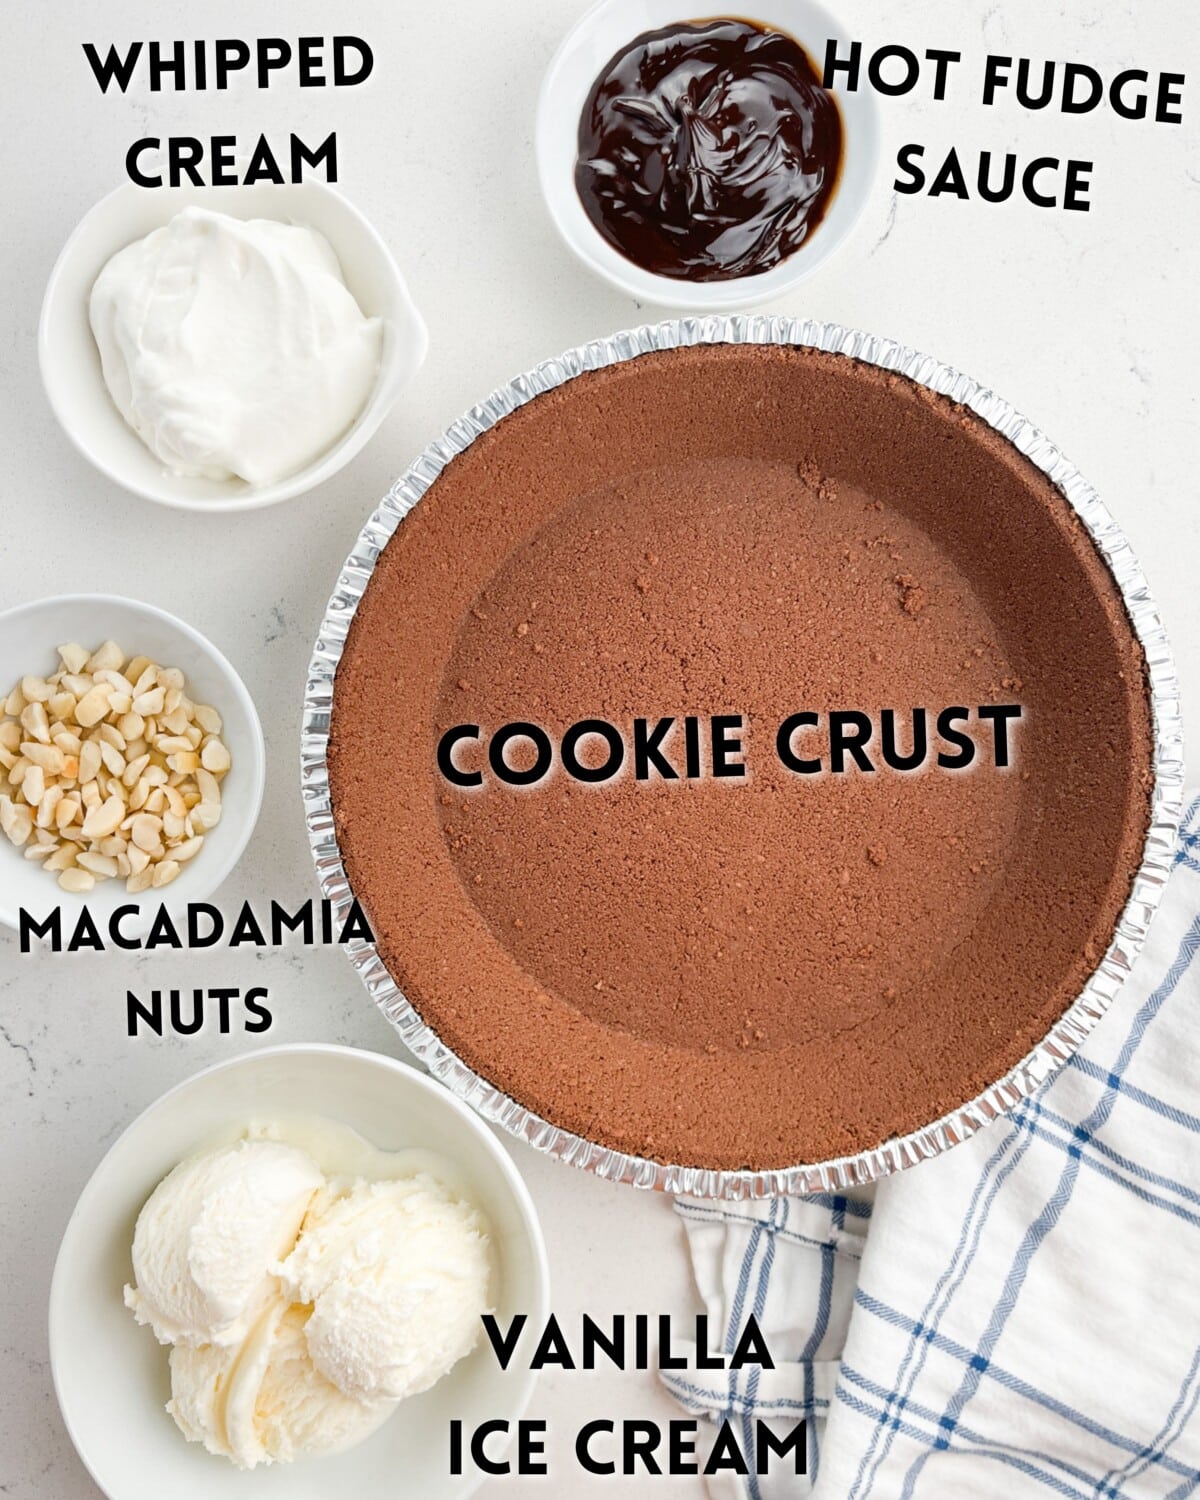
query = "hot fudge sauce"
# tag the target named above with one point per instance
(708, 151)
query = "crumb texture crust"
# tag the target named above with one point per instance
(759, 972)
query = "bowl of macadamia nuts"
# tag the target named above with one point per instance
(131, 760)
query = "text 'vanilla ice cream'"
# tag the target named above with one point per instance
(233, 347)
(303, 1307)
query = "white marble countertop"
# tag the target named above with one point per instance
(1086, 322)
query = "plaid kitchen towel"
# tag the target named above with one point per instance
(1026, 1315)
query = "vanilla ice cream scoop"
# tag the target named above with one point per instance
(233, 347)
(209, 1235)
(265, 1402)
(303, 1308)
(398, 1275)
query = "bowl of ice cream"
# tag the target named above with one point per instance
(284, 1261)
(225, 348)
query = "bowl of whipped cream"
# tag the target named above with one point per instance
(225, 348)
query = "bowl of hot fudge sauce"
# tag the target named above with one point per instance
(699, 162)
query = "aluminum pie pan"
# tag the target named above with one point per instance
(1047, 1057)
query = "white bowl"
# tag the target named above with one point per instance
(70, 361)
(110, 1375)
(585, 51)
(29, 637)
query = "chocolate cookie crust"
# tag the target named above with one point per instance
(762, 972)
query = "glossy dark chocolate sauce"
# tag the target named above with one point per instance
(708, 150)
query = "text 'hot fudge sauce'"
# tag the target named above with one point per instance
(708, 151)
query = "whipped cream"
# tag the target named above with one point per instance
(233, 347)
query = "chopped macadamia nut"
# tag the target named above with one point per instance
(108, 770)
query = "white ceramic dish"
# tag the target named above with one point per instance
(110, 1375)
(595, 38)
(29, 636)
(70, 362)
